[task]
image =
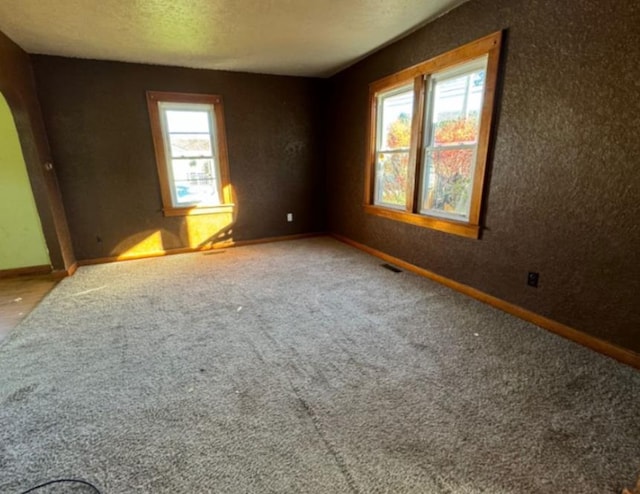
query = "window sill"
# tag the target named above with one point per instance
(448, 226)
(193, 210)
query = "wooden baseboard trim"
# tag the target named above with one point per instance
(618, 353)
(59, 274)
(26, 271)
(187, 250)
(72, 269)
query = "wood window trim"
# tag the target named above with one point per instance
(487, 46)
(153, 99)
(194, 210)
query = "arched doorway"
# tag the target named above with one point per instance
(22, 242)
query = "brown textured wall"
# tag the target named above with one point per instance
(17, 86)
(98, 125)
(564, 192)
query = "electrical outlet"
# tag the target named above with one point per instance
(289, 217)
(532, 279)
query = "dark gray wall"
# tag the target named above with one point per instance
(564, 190)
(97, 120)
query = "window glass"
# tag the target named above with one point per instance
(189, 140)
(186, 121)
(395, 118)
(453, 120)
(457, 105)
(393, 142)
(190, 145)
(194, 181)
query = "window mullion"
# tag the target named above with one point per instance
(426, 138)
(429, 131)
(447, 147)
(200, 157)
(394, 151)
(188, 133)
(414, 152)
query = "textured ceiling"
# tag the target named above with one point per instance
(294, 37)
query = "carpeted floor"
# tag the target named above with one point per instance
(303, 367)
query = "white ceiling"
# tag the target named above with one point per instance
(293, 37)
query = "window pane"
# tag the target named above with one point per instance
(187, 121)
(391, 178)
(194, 182)
(448, 182)
(187, 145)
(395, 114)
(457, 106)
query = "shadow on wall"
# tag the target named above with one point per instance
(196, 232)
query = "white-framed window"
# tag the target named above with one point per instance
(190, 144)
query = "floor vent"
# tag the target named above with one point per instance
(391, 268)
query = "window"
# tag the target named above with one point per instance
(191, 152)
(393, 139)
(429, 136)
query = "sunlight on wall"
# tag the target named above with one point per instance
(22, 242)
(229, 194)
(207, 230)
(147, 243)
(213, 230)
(196, 232)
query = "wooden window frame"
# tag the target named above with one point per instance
(154, 98)
(488, 46)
